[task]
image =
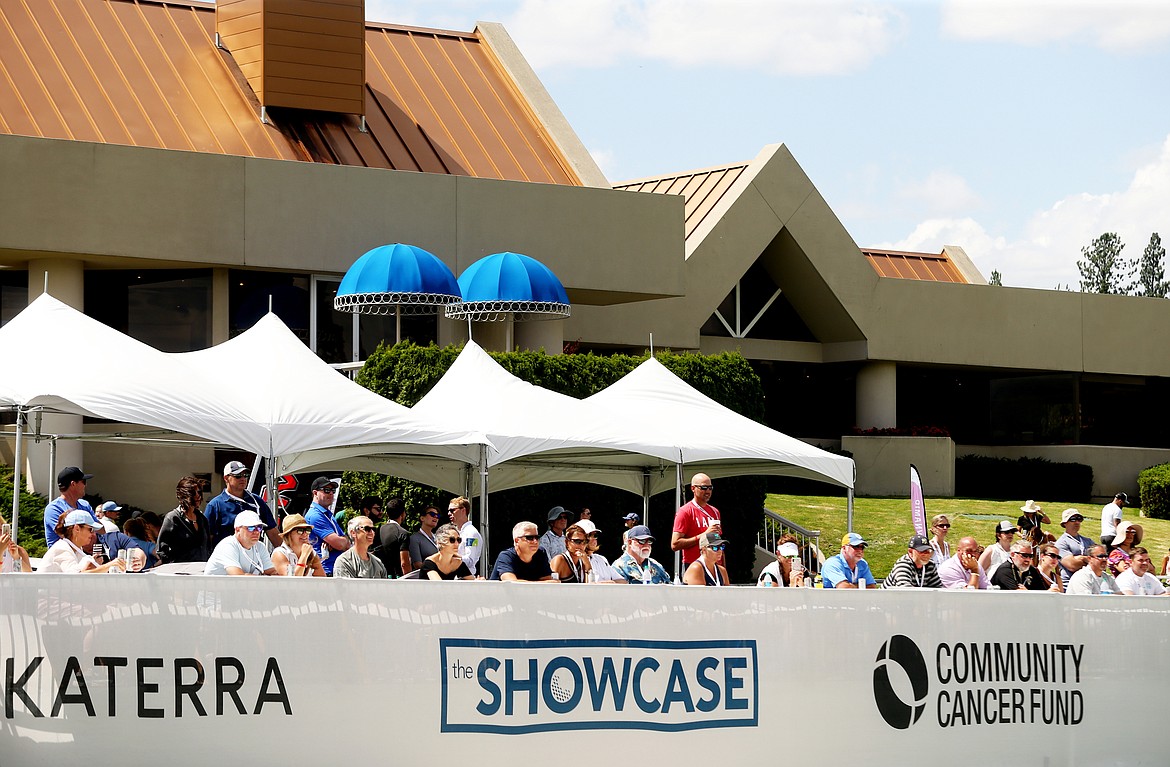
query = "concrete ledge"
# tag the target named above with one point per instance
(883, 464)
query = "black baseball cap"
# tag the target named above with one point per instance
(71, 474)
(321, 483)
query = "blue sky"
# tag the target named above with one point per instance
(1018, 130)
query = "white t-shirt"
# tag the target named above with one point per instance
(1147, 585)
(1110, 516)
(229, 553)
(1085, 581)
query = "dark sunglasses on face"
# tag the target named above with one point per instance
(1050, 555)
(702, 487)
(255, 528)
(365, 529)
(432, 514)
(455, 540)
(943, 527)
(717, 547)
(529, 538)
(578, 541)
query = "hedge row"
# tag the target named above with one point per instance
(978, 476)
(31, 530)
(405, 372)
(1154, 484)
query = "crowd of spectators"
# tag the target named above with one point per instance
(237, 534)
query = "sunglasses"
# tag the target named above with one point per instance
(1100, 556)
(702, 487)
(255, 528)
(943, 527)
(529, 538)
(365, 529)
(578, 541)
(453, 509)
(716, 547)
(456, 539)
(1025, 556)
(431, 514)
(1050, 555)
(327, 490)
(1076, 519)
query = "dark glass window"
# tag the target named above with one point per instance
(170, 309)
(250, 293)
(13, 293)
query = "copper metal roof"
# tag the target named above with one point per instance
(932, 267)
(147, 73)
(702, 189)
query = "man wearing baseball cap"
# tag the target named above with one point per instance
(242, 553)
(71, 483)
(221, 510)
(636, 565)
(107, 514)
(914, 569)
(327, 537)
(848, 569)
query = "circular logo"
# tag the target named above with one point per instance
(901, 653)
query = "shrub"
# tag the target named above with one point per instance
(978, 476)
(1154, 484)
(31, 528)
(405, 372)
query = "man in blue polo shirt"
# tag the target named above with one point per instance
(221, 510)
(848, 569)
(327, 536)
(71, 482)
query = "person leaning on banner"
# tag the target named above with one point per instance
(356, 561)
(242, 553)
(635, 565)
(962, 571)
(574, 565)
(1093, 578)
(446, 564)
(1073, 547)
(848, 569)
(603, 571)
(1019, 573)
(295, 556)
(706, 570)
(76, 531)
(914, 569)
(1137, 579)
(787, 569)
(525, 562)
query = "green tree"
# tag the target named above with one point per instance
(996, 278)
(1103, 270)
(1151, 270)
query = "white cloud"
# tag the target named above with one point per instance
(1114, 25)
(1046, 254)
(805, 38)
(944, 192)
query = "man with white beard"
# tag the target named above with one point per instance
(635, 565)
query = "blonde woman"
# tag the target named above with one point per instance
(706, 570)
(940, 525)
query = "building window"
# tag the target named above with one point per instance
(169, 309)
(13, 293)
(250, 294)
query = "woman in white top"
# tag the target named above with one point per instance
(77, 531)
(940, 525)
(295, 556)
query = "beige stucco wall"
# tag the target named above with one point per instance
(106, 202)
(883, 464)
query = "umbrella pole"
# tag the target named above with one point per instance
(17, 460)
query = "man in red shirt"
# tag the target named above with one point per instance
(693, 519)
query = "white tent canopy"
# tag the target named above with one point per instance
(263, 391)
(630, 436)
(712, 438)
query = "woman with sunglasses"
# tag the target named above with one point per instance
(356, 561)
(940, 525)
(573, 565)
(706, 570)
(295, 555)
(1048, 562)
(76, 532)
(1128, 535)
(446, 565)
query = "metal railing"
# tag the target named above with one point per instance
(776, 526)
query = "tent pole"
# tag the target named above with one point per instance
(270, 480)
(52, 483)
(484, 556)
(398, 324)
(646, 497)
(849, 520)
(17, 461)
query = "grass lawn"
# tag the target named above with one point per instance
(886, 525)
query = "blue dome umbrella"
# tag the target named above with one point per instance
(396, 279)
(509, 286)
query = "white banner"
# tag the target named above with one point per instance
(93, 667)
